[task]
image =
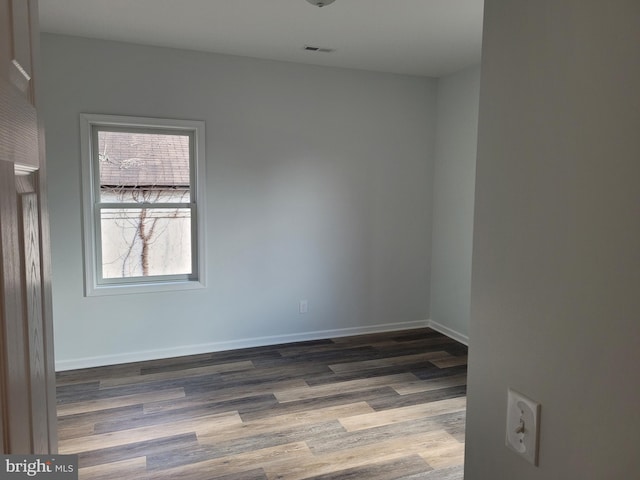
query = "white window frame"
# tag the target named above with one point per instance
(94, 285)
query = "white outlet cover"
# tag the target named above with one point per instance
(523, 425)
(304, 306)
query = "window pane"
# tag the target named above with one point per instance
(140, 242)
(138, 167)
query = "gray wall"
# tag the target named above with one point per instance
(453, 194)
(556, 257)
(319, 188)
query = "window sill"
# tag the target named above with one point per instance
(152, 287)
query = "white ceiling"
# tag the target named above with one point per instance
(419, 37)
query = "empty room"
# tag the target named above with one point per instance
(302, 212)
(304, 239)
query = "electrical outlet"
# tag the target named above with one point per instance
(304, 306)
(523, 425)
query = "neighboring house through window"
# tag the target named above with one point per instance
(143, 203)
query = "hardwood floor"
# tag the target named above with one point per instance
(376, 407)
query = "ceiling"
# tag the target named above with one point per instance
(417, 37)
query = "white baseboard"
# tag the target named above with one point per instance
(457, 336)
(98, 361)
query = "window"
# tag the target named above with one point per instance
(143, 203)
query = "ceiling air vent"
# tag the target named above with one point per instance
(311, 48)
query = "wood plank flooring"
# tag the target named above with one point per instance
(376, 407)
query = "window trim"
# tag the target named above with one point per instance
(93, 284)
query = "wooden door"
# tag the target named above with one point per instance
(27, 377)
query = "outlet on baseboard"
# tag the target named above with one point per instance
(304, 306)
